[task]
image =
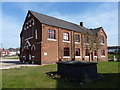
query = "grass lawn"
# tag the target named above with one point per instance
(13, 58)
(35, 77)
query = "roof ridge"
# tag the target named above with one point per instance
(57, 18)
(50, 20)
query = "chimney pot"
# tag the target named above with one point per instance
(81, 24)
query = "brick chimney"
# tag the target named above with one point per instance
(81, 24)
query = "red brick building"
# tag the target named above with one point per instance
(46, 39)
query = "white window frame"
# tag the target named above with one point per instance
(77, 56)
(51, 39)
(65, 36)
(66, 56)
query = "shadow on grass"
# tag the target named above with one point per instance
(102, 80)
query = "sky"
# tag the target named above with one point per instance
(92, 14)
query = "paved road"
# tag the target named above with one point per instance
(12, 63)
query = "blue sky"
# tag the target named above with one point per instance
(92, 14)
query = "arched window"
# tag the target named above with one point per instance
(32, 22)
(86, 40)
(66, 51)
(101, 39)
(95, 52)
(87, 52)
(33, 48)
(77, 38)
(51, 34)
(77, 52)
(103, 52)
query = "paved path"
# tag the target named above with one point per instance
(12, 63)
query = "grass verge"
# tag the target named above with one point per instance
(35, 77)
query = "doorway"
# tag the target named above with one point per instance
(92, 56)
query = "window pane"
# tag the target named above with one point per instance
(86, 52)
(66, 51)
(77, 38)
(51, 34)
(103, 52)
(77, 52)
(95, 52)
(66, 36)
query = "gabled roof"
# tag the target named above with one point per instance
(96, 30)
(62, 24)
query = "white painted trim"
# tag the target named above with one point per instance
(77, 56)
(86, 44)
(51, 39)
(102, 43)
(102, 56)
(66, 41)
(95, 56)
(32, 47)
(87, 56)
(66, 56)
(45, 53)
(36, 34)
(77, 42)
(29, 38)
(28, 43)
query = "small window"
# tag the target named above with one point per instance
(29, 24)
(66, 36)
(86, 40)
(86, 52)
(77, 38)
(103, 52)
(32, 22)
(66, 52)
(77, 52)
(95, 52)
(101, 39)
(51, 34)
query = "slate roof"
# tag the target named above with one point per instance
(62, 24)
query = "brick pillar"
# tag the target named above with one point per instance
(72, 45)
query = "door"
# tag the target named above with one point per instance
(92, 56)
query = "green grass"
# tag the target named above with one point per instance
(35, 77)
(13, 58)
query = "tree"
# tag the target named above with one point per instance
(92, 44)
